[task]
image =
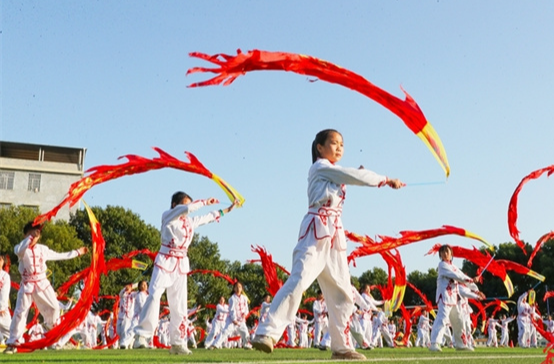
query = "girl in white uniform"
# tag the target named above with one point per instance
(5, 317)
(35, 287)
(236, 320)
(321, 249)
(171, 268)
(504, 333)
(218, 322)
(447, 298)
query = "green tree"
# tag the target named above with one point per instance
(377, 276)
(123, 231)
(425, 282)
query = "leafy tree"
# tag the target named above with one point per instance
(374, 277)
(123, 232)
(425, 282)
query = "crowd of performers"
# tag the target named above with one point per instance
(342, 318)
(370, 326)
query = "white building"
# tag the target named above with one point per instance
(39, 176)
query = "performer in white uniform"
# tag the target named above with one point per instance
(236, 320)
(504, 333)
(492, 324)
(321, 249)
(447, 298)
(171, 268)
(218, 322)
(524, 311)
(5, 317)
(423, 329)
(367, 316)
(35, 287)
(264, 309)
(125, 315)
(321, 321)
(140, 297)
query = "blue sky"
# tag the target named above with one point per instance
(109, 76)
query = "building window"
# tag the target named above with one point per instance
(6, 180)
(5, 205)
(34, 182)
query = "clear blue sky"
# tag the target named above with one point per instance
(109, 76)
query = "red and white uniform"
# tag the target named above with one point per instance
(236, 320)
(35, 287)
(125, 317)
(321, 253)
(504, 333)
(492, 324)
(367, 316)
(264, 311)
(321, 322)
(423, 329)
(356, 329)
(36, 332)
(447, 298)
(218, 323)
(302, 326)
(524, 311)
(170, 270)
(5, 317)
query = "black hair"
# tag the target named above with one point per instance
(444, 248)
(178, 197)
(320, 138)
(30, 226)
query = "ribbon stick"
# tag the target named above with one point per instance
(231, 67)
(137, 164)
(486, 266)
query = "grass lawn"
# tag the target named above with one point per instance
(312, 356)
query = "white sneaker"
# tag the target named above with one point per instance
(263, 343)
(435, 347)
(140, 342)
(179, 350)
(464, 348)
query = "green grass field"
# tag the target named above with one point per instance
(312, 356)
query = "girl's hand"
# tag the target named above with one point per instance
(233, 205)
(481, 295)
(82, 250)
(395, 183)
(212, 201)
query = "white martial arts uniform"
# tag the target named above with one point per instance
(125, 317)
(236, 320)
(356, 329)
(523, 321)
(423, 329)
(5, 317)
(302, 326)
(492, 340)
(264, 311)
(321, 254)
(170, 271)
(504, 333)
(35, 287)
(36, 332)
(321, 321)
(367, 316)
(447, 298)
(218, 323)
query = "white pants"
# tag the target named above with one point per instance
(524, 333)
(176, 285)
(444, 313)
(47, 303)
(5, 323)
(228, 330)
(422, 338)
(492, 340)
(313, 259)
(320, 329)
(357, 332)
(124, 331)
(217, 327)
